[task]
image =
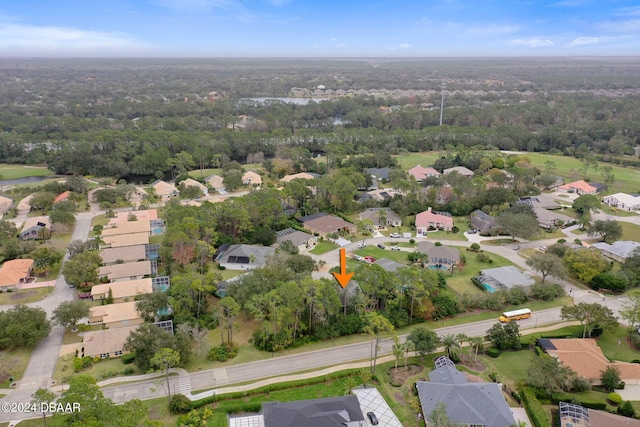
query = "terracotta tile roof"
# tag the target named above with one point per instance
(121, 240)
(62, 197)
(122, 271)
(424, 219)
(129, 227)
(96, 343)
(33, 221)
(581, 185)
(251, 178)
(126, 254)
(12, 272)
(190, 182)
(586, 359)
(5, 203)
(420, 173)
(164, 189)
(301, 175)
(129, 288)
(115, 312)
(143, 215)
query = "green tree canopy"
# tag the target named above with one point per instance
(547, 265)
(590, 316)
(23, 326)
(82, 268)
(68, 313)
(424, 341)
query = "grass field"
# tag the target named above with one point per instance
(24, 296)
(626, 178)
(323, 247)
(15, 362)
(21, 171)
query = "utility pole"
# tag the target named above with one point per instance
(442, 89)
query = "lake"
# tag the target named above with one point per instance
(25, 180)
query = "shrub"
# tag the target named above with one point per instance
(626, 409)
(128, 358)
(482, 257)
(412, 241)
(493, 352)
(534, 408)
(180, 404)
(593, 405)
(80, 363)
(614, 398)
(128, 370)
(223, 352)
(635, 340)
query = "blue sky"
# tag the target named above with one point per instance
(328, 28)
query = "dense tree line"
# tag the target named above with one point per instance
(127, 119)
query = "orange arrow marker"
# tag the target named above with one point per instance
(343, 277)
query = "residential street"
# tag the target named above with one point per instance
(42, 363)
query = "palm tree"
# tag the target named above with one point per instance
(451, 346)
(462, 339)
(365, 375)
(408, 348)
(349, 384)
(41, 265)
(397, 350)
(382, 218)
(476, 343)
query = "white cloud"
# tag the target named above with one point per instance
(624, 26)
(21, 39)
(580, 41)
(629, 11)
(533, 42)
(404, 46)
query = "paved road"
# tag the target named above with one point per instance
(42, 364)
(283, 365)
(45, 355)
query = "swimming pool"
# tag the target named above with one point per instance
(489, 288)
(438, 267)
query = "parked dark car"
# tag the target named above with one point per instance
(380, 245)
(372, 418)
(86, 295)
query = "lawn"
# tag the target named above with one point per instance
(377, 253)
(21, 171)
(626, 178)
(15, 362)
(460, 281)
(24, 296)
(323, 247)
(409, 160)
(630, 231)
(103, 369)
(511, 366)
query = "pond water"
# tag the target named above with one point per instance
(26, 180)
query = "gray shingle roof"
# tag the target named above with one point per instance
(506, 277)
(242, 254)
(622, 248)
(389, 265)
(296, 237)
(467, 403)
(327, 412)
